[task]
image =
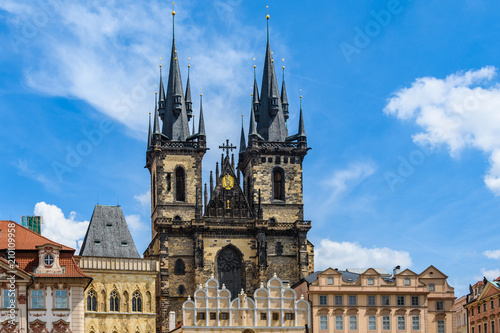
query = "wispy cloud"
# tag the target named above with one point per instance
(144, 199)
(353, 255)
(135, 224)
(490, 274)
(26, 171)
(492, 254)
(458, 112)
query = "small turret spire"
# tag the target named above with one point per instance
(161, 103)
(302, 130)
(284, 99)
(189, 104)
(193, 126)
(149, 133)
(252, 130)
(243, 144)
(156, 121)
(201, 125)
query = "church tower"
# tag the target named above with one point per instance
(239, 235)
(174, 158)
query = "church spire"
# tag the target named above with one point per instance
(156, 120)
(271, 123)
(284, 99)
(175, 122)
(256, 102)
(201, 125)
(302, 130)
(243, 144)
(189, 104)
(161, 104)
(149, 133)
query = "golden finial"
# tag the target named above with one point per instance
(160, 62)
(267, 16)
(201, 88)
(189, 60)
(254, 66)
(300, 93)
(173, 8)
(149, 112)
(156, 92)
(175, 58)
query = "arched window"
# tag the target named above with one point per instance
(136, 302)
(279, 249)
(177, 218)
(91, 301)
(180, 268)
(278, 184)
(114, 301)
(181, 290)
(154, 192)
(180, 184)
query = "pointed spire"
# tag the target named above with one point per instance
(161, 103)
(201, 125)
(284, 99)
(173, 20)
(189, 104)
(302, 130)
(243, 144)
(267, 18)
(149, 133)
(193, 126)
(156, 121)
(252, 130)
(255, 94)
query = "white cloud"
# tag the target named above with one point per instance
(144, 199)
(60, 229)
(492, 254)
(134, 222)
(346, 254)
(491, 274)
(459, 112)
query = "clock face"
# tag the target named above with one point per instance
(227, 181)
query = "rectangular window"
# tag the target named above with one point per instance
(432, 287)
(353, 300)
(415, 301)
(329, 280)
(370, 281)
(372, 300)
(323, 300)
(323, 322)
(213, 316)
(372, 322)
(353, 322)
(386, 300)
(472, 311)
(289, 316)
(276, 316)
(223, 316)
(401, 300)
(263, 316)
(7, 301)
(338, 300)
(386, 323)
(492, 305)
(479, 309)
(479, 328)
(339, 322)
(407, 282)
(440, 325)
(439, 305)
(472, 330)
(201, 315)
(485, 327)
(484, 307)
(61, 299)
(492, 327)
(401, 323)
(37, 299)
(415, 323)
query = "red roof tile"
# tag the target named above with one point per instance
(25, 238)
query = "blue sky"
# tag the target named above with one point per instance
(401, 102)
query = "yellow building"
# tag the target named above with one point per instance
(371, 300)
(121, 297)
(273, 308)
(460, 315)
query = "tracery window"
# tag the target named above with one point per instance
(91, 301)
(180, 184)
(136, 302)
(114, 301)
(278, 184)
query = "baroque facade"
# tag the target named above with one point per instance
(249, 221)
(121, 297)
(371, 300)
(483, 307)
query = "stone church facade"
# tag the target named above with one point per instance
(248, 222)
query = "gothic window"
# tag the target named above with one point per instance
(91, 301)
(114, 302)
(230, 270)
(136, 302)
(279, 249)
(177, 218)
(180, 268)
(278, 184)
(154, 191)
(169, 182)
(180, 184)
(181, 290)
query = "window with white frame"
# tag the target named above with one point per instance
(353, 300)
(415, 323)
(440, 326)
(372, 300)
(353, 322)
(61, 299)
(432, 287)
(386, 300)
(401, 300)
(37, 299)
(401, 323)
(323, 300)
(372, 322)
(8, 298)
(338, 300)
(370, 281)
(439, 305)
(329, 280)
(323, 322)
(386, 322)
(415, 301)
(407, 282)
(339, 322)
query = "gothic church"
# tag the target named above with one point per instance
(248, 223)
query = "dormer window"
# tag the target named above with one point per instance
(124, 244)
(109, 225)
(48, 260)
(97, 241)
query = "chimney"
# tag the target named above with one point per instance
(396, 270)
(171, 321)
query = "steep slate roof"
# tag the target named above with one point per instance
(109, 228)
(25, 238)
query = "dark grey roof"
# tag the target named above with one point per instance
(349, 276)
(313, 277)
(108, 235)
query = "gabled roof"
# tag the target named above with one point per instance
(432, 272)
(108, 235)
(25, 238)
(491, 288)
(407, 272)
